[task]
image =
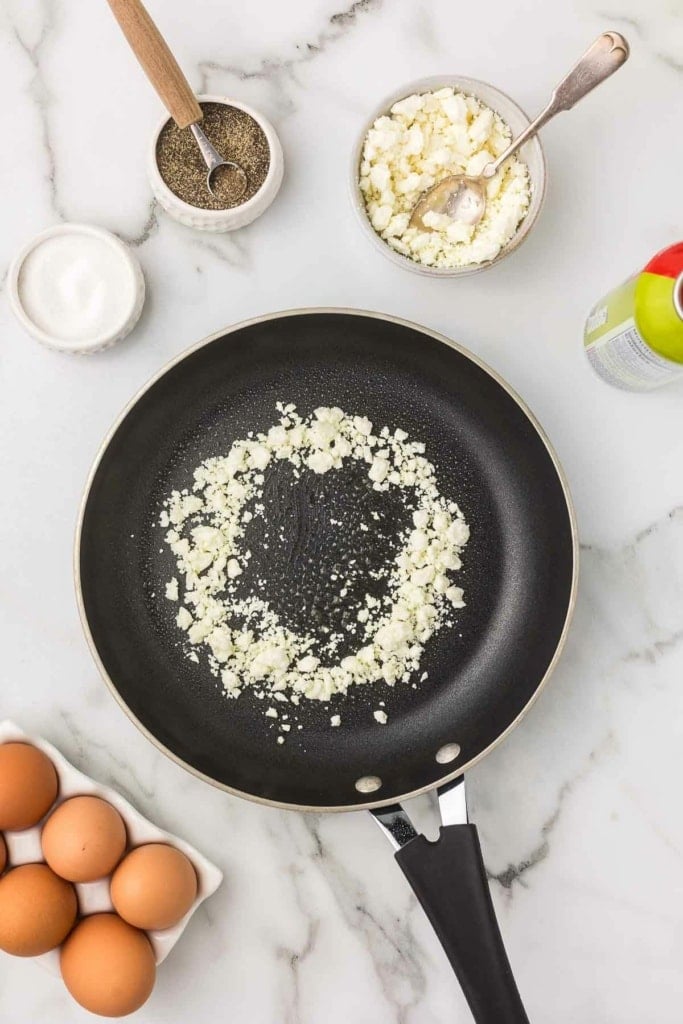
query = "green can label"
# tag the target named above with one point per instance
(634, 335)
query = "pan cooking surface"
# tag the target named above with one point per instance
(517, 573)
(311, 532)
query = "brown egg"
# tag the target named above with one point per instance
(84, 839)
(37, 910)
(154, 886)
(108, 966)
(3, 854)
(28, 786)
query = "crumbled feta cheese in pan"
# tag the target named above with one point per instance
(205, 531)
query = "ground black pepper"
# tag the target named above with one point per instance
(236, 136)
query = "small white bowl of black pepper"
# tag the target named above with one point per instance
(177, 171)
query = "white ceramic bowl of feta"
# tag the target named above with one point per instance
(530, 154)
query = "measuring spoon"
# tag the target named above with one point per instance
(174, 90)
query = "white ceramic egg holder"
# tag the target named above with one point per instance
(93, 897)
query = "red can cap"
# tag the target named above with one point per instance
(668, 262)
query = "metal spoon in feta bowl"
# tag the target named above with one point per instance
(463, 197)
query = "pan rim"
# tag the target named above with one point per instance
(278, 315)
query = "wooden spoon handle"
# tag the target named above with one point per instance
(158, 62)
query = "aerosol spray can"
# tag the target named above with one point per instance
(634, 335)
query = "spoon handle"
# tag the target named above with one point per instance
(157, 61)
(601, 59)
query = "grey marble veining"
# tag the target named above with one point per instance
(578, 809)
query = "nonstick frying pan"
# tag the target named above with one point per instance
(519, 577)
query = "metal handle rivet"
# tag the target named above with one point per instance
(448, 753)
(368, 784)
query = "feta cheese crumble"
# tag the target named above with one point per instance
(424, 138)
(244, 641)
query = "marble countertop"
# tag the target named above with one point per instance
(579, 810)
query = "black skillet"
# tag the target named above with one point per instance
(519, 578)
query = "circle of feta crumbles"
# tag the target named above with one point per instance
(205, 531)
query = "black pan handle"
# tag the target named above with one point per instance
(449, 879)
